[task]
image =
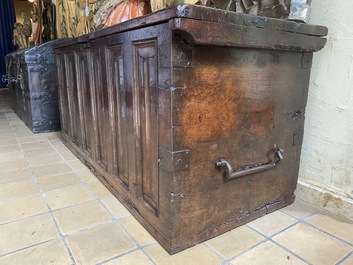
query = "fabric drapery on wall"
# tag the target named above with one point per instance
(7, 19)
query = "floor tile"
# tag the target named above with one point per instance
(26, 232)
(348, 261)
(7, 135)
(300, 209)
(54, 135)
(22, 208)
(62, 148)
(55, 141)
(7, 129)
(86, 175)
(32, 138)
(198, 254)
(18, 189)
(59, 181)
(68, 196)
(313, 245)
(67, 155)
(14, 176)
(134, 258)
(10, 149)
(51, 169)
(4, 123)
(7, 141)
(332, 224)
(12, 161)
(115, 207)
(35, 145)
(231, 243)
(81, 216)
(272, 223)
(99, 189)
(23, 133)
(137, 231)
(267, 253)
(16, 122)
(40, 151)
(53, 252)
(76, 165)
(44, 159)
(99, 244)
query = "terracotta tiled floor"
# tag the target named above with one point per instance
(54, 211)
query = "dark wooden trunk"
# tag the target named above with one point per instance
(151, 104)
(32, 80)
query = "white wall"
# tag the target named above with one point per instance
(327, 152)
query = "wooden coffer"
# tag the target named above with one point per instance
(191, 116)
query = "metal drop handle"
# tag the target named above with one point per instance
(4, 78)
(249, 169)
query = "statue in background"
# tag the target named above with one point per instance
(36, 14)
(22, 31)
(27, 26)
(34, 19)
(127, 9)
(104, 8)
(19, 38)
(49, 21)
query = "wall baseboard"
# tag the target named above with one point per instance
(325, 199)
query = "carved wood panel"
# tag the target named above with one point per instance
(85, 104)
(100, 109)
(146, 120)
(117, 95)
(65, 118)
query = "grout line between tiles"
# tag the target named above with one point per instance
(27, 247)
(117, 220)
(136, 243)
(88, 228)
(247, 250)
(304, 217)
(20, 197)
(114, 219)
(117, 256)
(127, 253)
(329, 234)
(49, 208)
(224, 260)
(269, 238)
(290, 251)
(345, 258)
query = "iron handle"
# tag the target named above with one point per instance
(249, 169)
(4, 78)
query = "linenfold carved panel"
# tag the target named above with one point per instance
(146, 120)
(118, 94)
(71, 83)
(65, 119)
(84, 102)
(100, 108)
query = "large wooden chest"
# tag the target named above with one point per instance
(31, 76)
(191, 116)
